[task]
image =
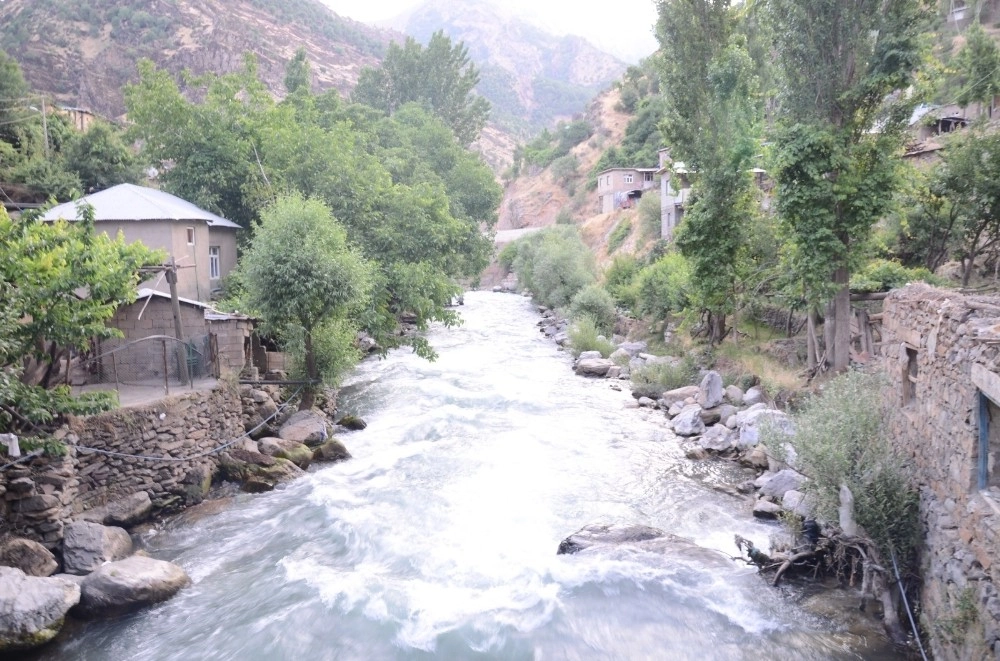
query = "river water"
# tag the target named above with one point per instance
(438, 539)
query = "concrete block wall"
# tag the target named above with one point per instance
(952, 343)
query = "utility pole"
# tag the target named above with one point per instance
(175, 305)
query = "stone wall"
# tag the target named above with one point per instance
(40, 496)
(940, 350)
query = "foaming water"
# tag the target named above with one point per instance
(438, 539)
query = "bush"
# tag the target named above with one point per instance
(595, 302)
(653, 379)
(650, 224)
(663, 286)
(619, 234)
(839, 439)
(620, 280)
(564, 217)
(554, 264)
(885, 274)
(584, 335)
(564, 167)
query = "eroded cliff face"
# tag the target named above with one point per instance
(84, 55)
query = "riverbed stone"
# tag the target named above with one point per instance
(688, 422)
(129, 584)
(352, 422)
(32, 609)
(86, 546)
(256, 472)
(331, 451)
(798, 503)
(633, 348)
(754, 395)
(776, 422)
(710, 392)
(765, 509)
(782, 482)
(297, 453)
(671, 397)
(307, 427)
(717, 438)
(711, 416)
(594, 538)
(27, 555)
(123, 512)
(593, 366)
(589, 355)
(734, 395)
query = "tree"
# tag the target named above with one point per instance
(101, 159)
(979, 67)
(710, 123)
(970, 181)
(440, 77)
(307, 283)
(298, 75)
(44, 267)
(845, 69)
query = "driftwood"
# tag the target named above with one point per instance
(834, 554)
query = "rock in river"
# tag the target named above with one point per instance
(30, 557)
(595, 536)
(86, 546)
(130, 584)
(32, 609)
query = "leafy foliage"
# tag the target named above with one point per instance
(884, 274)
(664, 286)
(554, 264)
(585, 335)
(618, 235)
(653, 379)
(595, 302)
(979, 67)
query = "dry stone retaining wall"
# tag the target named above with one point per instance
(940, 350)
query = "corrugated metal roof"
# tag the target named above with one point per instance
(130, 202)
(211, 314)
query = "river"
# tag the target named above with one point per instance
(438, 539)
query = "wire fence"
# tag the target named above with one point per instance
(151, 366)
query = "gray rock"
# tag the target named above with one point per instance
(614, 372)
(741, 416)
(561, 338)
(633, 348)
(680, 394)
(731, 422)
(124, 512)
(130, 584)
(688, 422)
(765, 509)
(726, 411)
(711, 393)
(333, 450)
(734, 395)
(297, 453)
(781, 482)
(593, 366)
(675, 409)
(798, 503)
(589, 355)
(29, 556)
(595, 538)
(770, 419)
(86, 546)
(307, 427)
(717, 438)
(646, 402)
(32, 609)
(762, 479)
(711, 416)
(757, 457)
(754, 395)
(620, 357)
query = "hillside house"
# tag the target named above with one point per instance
(621, 188)
(202, 244)
(675, 191)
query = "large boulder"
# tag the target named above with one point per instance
(307, 427)
(679, 395)
(710, 392)
(782, 482)
(633, 349)
(593, 366)
(124, 512)
(86, 546)
(798, 503)
(765, 419)
(130, 584)
(297, 453)
(257, 472)
(333, 450)
(717, 438)
(754, 395)
(688, 422)
(595, 538)
(32, 609)
(352, 422)
(29, 556)
(734, 395)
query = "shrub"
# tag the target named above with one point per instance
(620, 280)
(564, 217)
(650, 224)
(663, 286)
(595, 302)
(840, 439)
(653, 379)
(585, 336)
(884, 274)
(564, 167)
(554, 264)
(619, 234)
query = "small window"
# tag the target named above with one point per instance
(213, 263)
(647, 176)
(910, 377)
(190, 236)
(628, 179)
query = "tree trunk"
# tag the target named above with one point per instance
(812, 342)
(842, 326)
(829, 328)
(309, 391)
(717, 327)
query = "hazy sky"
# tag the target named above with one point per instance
(626, 33)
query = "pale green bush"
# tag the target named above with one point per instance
(585, 336)
(595, 302)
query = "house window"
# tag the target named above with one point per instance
(213, 263)
(628, 179)
(989, 443)
(190, 236)
(647, 176)
(910, 377)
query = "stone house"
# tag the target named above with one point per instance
(941, 353)
(621, 188)
(201, 243)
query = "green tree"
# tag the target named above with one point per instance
(101, 159)
(43, 269)
(440, 76)
(298, 75)
(979, 67)
(710, 123)
(842, 107)
(305, 280)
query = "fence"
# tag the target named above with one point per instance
(150, 366)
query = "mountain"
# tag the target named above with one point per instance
(82, 53)
(532, 78)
